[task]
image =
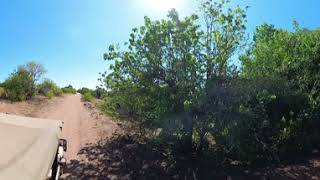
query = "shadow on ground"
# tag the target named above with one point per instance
(123, 158)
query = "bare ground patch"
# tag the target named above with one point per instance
(30, 108)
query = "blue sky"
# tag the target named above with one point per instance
(69, 37)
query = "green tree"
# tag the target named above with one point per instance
(21, 85)
(18, 86)
(278, 52)
(175, 76)
(224, 30)
(158, 73)
(36, 71)
(162, 75)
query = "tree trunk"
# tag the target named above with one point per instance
(188, 133)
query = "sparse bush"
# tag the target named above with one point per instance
(87, 97)
(58, 92)
(48, 85)
(2, 92)
(84, 90)
(99, 93)
(50, 94)
(69, 90)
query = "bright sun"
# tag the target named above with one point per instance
(162, 5)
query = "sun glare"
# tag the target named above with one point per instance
(162, 5)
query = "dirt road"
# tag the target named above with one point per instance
(77, 122)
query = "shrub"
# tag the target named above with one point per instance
(58, 92)
(84, 90)
(69, 90)
(19, 86)
(253, 119)
(99, 93)
(50, 94)
(87, 97)
(48, 85)
(35, 71)
(2, 92)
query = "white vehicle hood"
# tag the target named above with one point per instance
(27, 147)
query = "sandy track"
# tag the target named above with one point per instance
(77, 122)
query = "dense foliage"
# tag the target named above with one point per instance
(292, 55)
(21, 85)
(176, 82)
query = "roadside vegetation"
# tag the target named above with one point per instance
(177, 83)
(69, 90)
(87, 97)
(2, 92)
(27, 81)
(49, 89)
(89, 94)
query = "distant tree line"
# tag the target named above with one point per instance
(176, 82)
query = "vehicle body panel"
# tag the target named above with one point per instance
(28, 147)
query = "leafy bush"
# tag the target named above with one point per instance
(69, 90)
(2, 92)
(84, 90)
(50, 94)
(87, 97)
(49, 86)
(58, 92)
(18, 87)
(293, 56)
(21, 85)
(253, 119)
(99, 93)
